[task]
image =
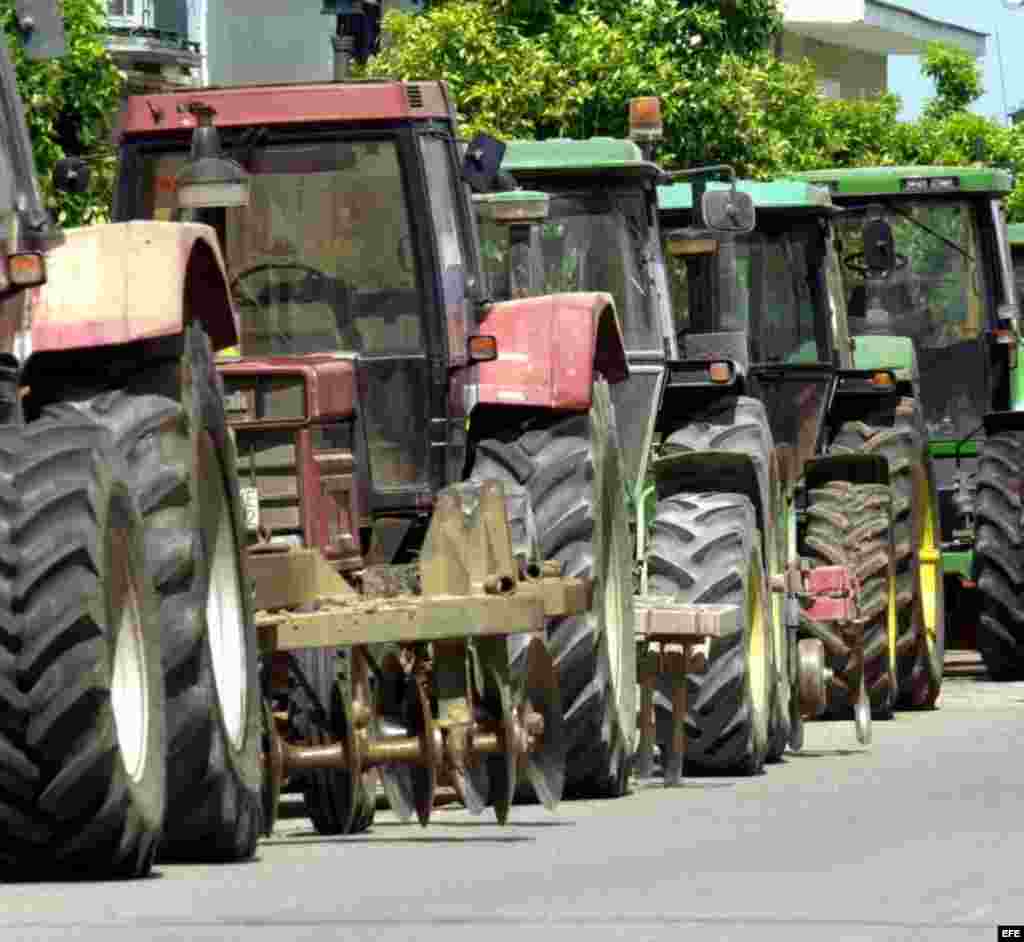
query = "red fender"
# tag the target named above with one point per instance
(550, 349)
(124, 282)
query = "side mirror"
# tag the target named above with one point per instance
(481, 163)
(71, 175)
(728, 211)
(879, 246)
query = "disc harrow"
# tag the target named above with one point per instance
(428, 700)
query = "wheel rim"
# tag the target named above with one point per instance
(129, 690)
(225, 612)
(757, 648)
(928, 557)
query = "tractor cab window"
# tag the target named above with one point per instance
(772, 283)
(321, 260)
(590, 242)
(1018, 270)
(936, 294)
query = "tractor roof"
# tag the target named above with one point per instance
(319, 103)
(568, 157)
(775, 194)
(1016, 231)
(879, 181)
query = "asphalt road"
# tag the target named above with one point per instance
(918, 836)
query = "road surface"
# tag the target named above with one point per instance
(918, 836)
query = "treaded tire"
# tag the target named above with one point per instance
(920, 664)
(706, 549)
(999, 551)
(571, 469)
(740, 424)
(82, 753)
(330, 804)
(848, 524)
(171, 430)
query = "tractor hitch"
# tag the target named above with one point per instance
(824, 595)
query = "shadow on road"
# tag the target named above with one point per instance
(311, 837)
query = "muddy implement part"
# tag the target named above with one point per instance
(825, 596)
(667, 632)
(440, 705)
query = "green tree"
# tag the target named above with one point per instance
(71, 103)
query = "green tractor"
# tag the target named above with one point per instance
(813, 407)
(930, 290)
(698, 435)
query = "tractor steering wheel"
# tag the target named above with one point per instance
(855, 263)
(306, 288)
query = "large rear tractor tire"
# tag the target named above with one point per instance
(571, 468)
(999, 549)
(82, 739)
(705, 549)
(171, 430)
(739, 424)
(849, 525)
(920, 590)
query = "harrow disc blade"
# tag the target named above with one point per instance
(813, 686)
(545, 763)
(491, 659)
(409, 787)
(471, 782)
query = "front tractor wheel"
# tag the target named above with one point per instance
(171, 430)
(571, 468)
(705, 549)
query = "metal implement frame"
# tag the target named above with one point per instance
(472, 594)
(676, 628)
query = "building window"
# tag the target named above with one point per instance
(128, 12)
(830, 88)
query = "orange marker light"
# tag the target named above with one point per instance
(26, 269)
(882, 379)
(483, 349)
(720, 372)
(645, 119)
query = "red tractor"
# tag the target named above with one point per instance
(373, 373)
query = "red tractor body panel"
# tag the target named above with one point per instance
(125, 282)
(549, 349)
(329, 381)
(323, 478)
(258, 105)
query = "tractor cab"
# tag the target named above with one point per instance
(770, 299)
(600, 234)
(348, 239)
(925, 256)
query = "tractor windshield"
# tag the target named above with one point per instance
(778, 284)
(936, 294)
(321, 260)
(590, 242)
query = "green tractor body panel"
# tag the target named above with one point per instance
(880, 352)
(775, 194)
(566, 157)
(910, 181)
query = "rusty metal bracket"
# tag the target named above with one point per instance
(676, 628)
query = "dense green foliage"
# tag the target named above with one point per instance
(547, 68)
(70, 103)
